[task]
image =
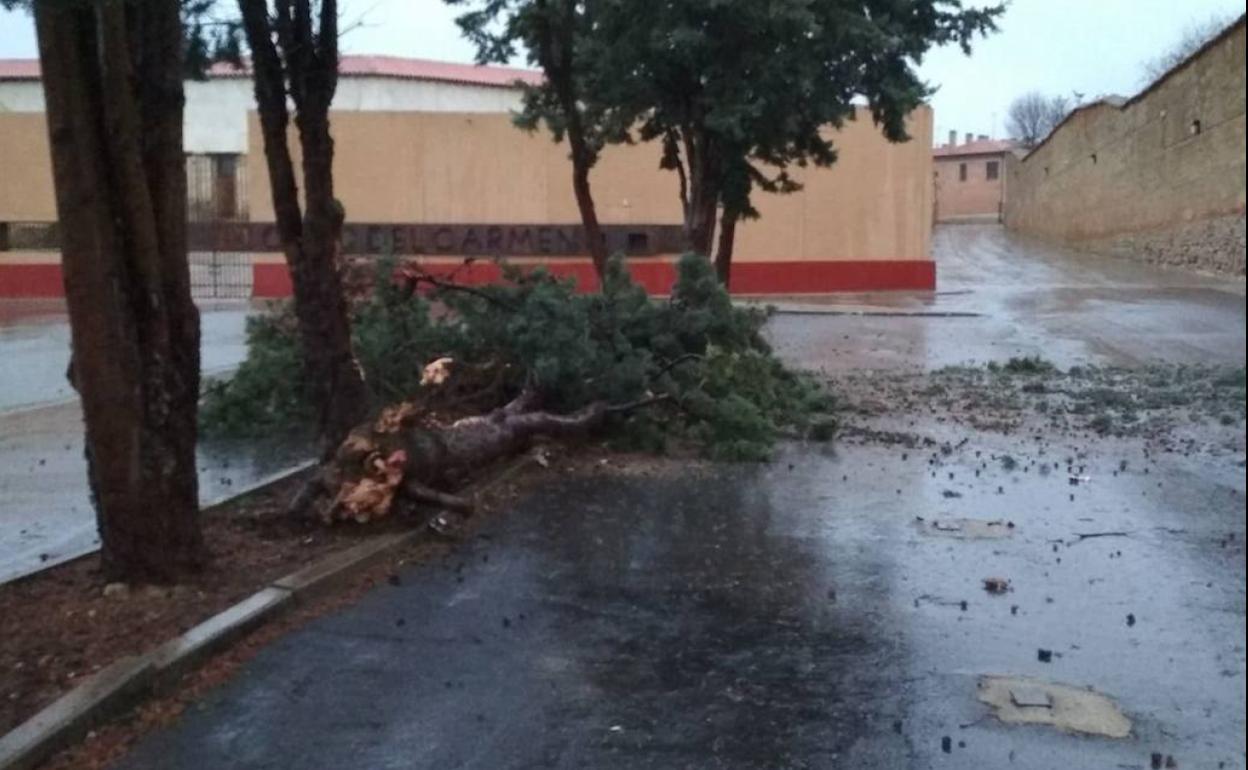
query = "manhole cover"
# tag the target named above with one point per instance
(1017, 700)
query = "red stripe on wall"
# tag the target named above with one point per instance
(31, 280)
(271, 280)
(656, 277)
(829, 276)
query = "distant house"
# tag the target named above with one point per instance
(970, 179)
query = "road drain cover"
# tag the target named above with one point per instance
(1017, 700)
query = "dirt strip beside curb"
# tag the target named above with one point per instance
(117, 687)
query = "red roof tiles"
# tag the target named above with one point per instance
(397, 67)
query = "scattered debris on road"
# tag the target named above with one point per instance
(996, 585)
(968, 529)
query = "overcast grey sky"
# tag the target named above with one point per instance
(1056, 46)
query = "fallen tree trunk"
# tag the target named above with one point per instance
(400, 459)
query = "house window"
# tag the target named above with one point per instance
(1195, 127)
(994, 169)
(961, 172)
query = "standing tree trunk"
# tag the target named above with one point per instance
(700, 226)
(556, 51)
(112, 80)
(699, 186)
(727, 241)
(594, 239)
(307, 69)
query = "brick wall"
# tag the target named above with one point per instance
(1159, 177)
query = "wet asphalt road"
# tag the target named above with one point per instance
(794, 615)
(34, 344)
(1032, 299)
(45, 509)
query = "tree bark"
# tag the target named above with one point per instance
(113, 89)
(702, 180)
(727, 241)
(594, 239)
(306, 69)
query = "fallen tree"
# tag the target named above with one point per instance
(590, 361)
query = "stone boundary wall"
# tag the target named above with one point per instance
(1158, 177)
(1213, 245)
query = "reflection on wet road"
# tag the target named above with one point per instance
(45, 510)
(1032, 299)
(790, 616)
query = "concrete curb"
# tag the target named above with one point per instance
(319, 577)
(117, 687)
(183, 652)
(257, 485)
(878, 313)
(863, 310)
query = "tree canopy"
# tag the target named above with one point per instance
(1033, 115)
(737, 91)
(1188, 42)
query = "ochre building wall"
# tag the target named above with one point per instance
(1159, 178)
(864, 224)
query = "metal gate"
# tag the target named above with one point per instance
(216, 201)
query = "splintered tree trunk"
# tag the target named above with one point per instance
(398, 459)
(306, 69)
(112, 83)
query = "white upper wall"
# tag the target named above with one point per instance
(216, 110)
(366, 94)
(21, 96)
(216, 115)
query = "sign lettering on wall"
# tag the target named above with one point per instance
(484, 240)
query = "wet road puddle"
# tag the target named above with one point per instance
(966, 529)
(1018, 700)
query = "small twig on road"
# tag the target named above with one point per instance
(1089, 535)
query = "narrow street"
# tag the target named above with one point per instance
(1031, 299)
(813, 612)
